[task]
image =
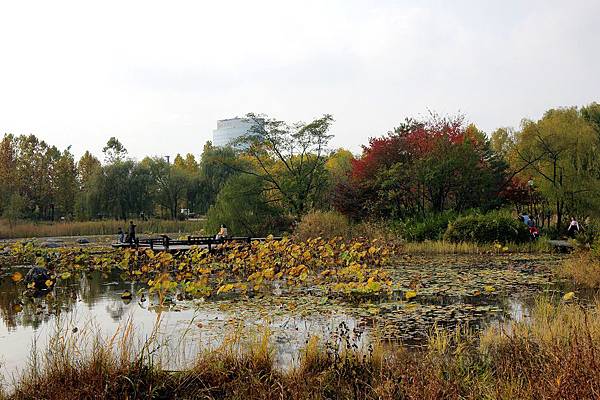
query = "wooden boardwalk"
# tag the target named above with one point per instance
(562, 246)
(165, 243)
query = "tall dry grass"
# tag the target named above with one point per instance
(583, 268)
(25, 229)
(445, 247)
(552, 356)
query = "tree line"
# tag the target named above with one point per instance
(268, 179)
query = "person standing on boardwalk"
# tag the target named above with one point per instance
(573, 228)
(120, 235)
(131, 234)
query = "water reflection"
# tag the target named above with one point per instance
(92, 300)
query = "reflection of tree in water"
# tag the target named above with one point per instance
(115, 309)
(96, 286)
(9, 302)
(18, 309)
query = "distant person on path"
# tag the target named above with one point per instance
(121, 236)
(574, 228)
(131, 235)
(526, 220)
(222, 232)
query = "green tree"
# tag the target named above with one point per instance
(290, 160)
(215, 170)
(190, 168)
(8, 184)
(65, 183)
(14, 209)
(561, 152)
(243, 206)
(114, 151)
(170, 183)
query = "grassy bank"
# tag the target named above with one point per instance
(583, 268)
(553, 356)
(25, 229)
(444, 247)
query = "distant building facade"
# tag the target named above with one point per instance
(228, 130)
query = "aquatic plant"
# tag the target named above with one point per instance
(552, 356)
(335, 265)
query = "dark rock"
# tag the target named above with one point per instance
(39, 276)
(50, 245)
(83, 241)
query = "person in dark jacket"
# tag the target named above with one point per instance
(131, 233)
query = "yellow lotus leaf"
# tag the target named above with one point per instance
(569, 296)
(65, 275)
(17, 277)
(31, 285)
(225, 288)
(269, 273)
(17, 308)
(49, 283)
(489, 289)
(409, 294)
(372, 250)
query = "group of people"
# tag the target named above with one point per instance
(130, 237)
(530, 222)
(573, 229)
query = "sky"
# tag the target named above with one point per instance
(158, 75)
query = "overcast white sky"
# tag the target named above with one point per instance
(157, 75)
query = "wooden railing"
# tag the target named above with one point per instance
(210, 241)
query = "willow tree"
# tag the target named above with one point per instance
(560, 152)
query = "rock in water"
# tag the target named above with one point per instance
(83, 241)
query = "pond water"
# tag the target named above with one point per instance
(455, 290)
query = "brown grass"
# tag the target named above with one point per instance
(444, 247)
(553, 356)
(583, 268)
(108, 227)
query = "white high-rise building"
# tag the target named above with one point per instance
(231, 129)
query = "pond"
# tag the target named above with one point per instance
(449, 291)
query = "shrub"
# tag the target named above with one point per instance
(487, 228)
(326, 224)
(429, 228)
